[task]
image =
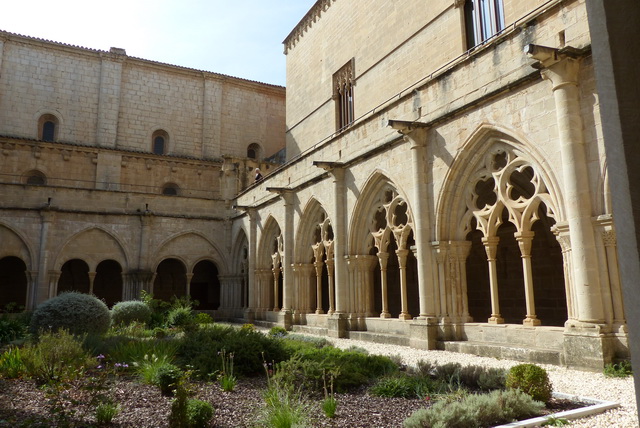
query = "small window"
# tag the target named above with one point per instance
(343, 83)
(170, 189)
(160, 140)
(48, 127)
(254, 151)
(35, 178)
(483, 19)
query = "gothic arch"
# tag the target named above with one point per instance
(103, 245)
(270, 243)
(374, 196)
(312, 217)
(467, 170)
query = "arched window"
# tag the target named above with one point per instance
(160, 142)
(35, 178)
(170, 189)
(48, 127)
(254, 151)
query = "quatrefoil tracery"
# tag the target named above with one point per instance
(505, 181)
(391, 216)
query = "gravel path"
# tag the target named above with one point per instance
(585, 384)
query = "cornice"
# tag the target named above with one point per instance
(305, 23)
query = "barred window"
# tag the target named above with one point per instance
(343, 83)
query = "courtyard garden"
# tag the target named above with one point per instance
(148, 363)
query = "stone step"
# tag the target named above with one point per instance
(389, 339)
(319, 331)
(503, 351)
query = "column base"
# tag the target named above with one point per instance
(531, 322)
(249, 315)
(337, 325)
(385, 315)
(405, 317)
(423, 333)
(319, 312)
(495, 319)
(587, 346)
(285, 319)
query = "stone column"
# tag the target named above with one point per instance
(330, 270)
(562, 72)
(276, 296)
(440, 249)
(287, 257)
(609, 238)
(384, 258)
(188, 277)
(340, 239)
(252, 285)
(368, 264)
(42, 291)
(463, 248)
(402, 261)
(417, 139)
(318, 252)
(525, 239)
(491, 247)
(92, 277)
(54, 276)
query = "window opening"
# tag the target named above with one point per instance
(159, 141)
(343, 83)
(483, 19)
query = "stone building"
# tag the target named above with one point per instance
(117, 173)
(445, 183)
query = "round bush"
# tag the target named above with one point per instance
(127, 312)
(532, 380)
(76, 312)
(167, 378)
(199, 413)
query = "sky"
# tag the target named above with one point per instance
(241, 38)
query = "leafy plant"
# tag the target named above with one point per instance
(278, 331)
(76, 312)
(12, 328)
(202, 318)
(553, 421)
(329, 404)
(180, 317)
(124, 313)
(284, 408)
(134, 350)
(105, 412)
(11, 364)
(226, 379)
(621, 369)
(532, 380)
(150, 366)
(167, 377)
(199, 413)
(57, 356)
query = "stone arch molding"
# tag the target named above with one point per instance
(15, 244)
(93, 245)
(270, 257)
(382, 213)
(191, 247)
(315, 234)
(496, 173)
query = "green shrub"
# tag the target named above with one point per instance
(483, 378)
(202, 318)
(78, 313)
(11, 364)
(180, 317)
(285, 408)
(167, 377)
(530, 379)
(12, 328)
(480, 410)
(200, 348)
(132, 310)
(406, 386)
(127, 350)
(278, 331)
(57, 356)
(355, 369)
(248, 326)
(199, 413)
(105, 412)
(150, 365)
(621, 369)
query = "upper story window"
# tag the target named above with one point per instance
(483, 19)
(48, 127)
(35, 178)
(170, 189)
(159, 142)
(254, 151)
(343, 83)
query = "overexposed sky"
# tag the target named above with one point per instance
(241, 38)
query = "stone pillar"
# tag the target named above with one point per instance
(402, 261)
(330, 270)
(288, 235)
(562, 236)
(42, 291)
(252, 285)
(440, 249)
(54, 276)
(92, 277)
(368, 264)
(609, 238)
(462, 249)
(384, 258)
(188, 277)
(525, 239)
(563, 75)
(491, 247)
(417, 139)
(340, 239)
(318, 252)
(276, 297)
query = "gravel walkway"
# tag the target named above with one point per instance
(585, 384)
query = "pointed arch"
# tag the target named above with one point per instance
(270, 243)
(312, 217)
(467, 170)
